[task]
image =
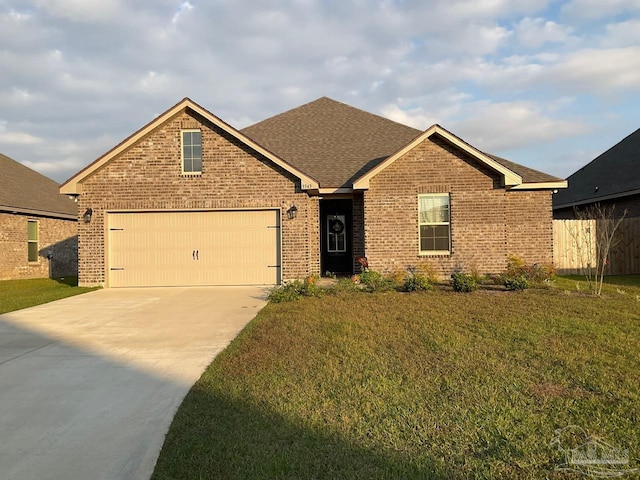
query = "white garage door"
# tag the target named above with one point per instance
(193, 248)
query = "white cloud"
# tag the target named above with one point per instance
(508, 125)
(598, 9)
(184, 8)
(534, 32)
(415, 117)
(607, 72)
(10, 136)
(83, 10)
(622, 34)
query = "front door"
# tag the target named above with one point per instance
(336, 234)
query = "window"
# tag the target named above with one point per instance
(32, 240)
(191, 151)
(433, 218)
(336, 234)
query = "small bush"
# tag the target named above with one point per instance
(417, 283)
(375, 281)
(291, 291)
(516, 283)
(429, 272)
(345, 285)
(520, 276)
(287, 292)
(463, 282)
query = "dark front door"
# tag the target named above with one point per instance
(336, 235)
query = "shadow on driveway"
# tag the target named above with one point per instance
(89, 384)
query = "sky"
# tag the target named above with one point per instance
(548, 84)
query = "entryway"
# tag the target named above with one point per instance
(336, 236)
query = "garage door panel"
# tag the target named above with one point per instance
(193, 248)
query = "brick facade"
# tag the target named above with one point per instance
(147, 176)
(57, 238)
(488, 223)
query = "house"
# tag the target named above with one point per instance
(611, 182)
(190, 200)
(611, 179)
(38, 226)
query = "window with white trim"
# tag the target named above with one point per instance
(191, 142)
(32, 240)
(434, 223)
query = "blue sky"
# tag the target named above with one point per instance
(549, 84)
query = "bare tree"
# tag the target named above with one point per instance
(594, 248)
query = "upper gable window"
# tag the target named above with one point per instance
(191, 151)
(434, 222)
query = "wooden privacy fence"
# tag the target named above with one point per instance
(574, 247)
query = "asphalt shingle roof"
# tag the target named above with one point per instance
(336, 143)
(331, 141)
(614, 172)
(27, 191)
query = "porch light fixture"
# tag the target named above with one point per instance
(292, 212)
(87, 215)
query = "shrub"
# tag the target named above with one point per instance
(519, 282)
(290, 291)
(375, 281)
(287, 292)
(520, 276)
(463, 282)
(310, 289)
(429, 272)
(417, 283)
(345, 285)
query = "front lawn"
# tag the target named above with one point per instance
(431, 385)
(19, 294)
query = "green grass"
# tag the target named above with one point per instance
(430, 385)
(19, 294)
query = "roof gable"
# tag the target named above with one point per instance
(331, 141)
(23, 190)
(613, 174)
(514, 176)
(73, 185)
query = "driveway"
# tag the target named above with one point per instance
(89, 384)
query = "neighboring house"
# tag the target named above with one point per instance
(190, 200)
(612, 182)
(611, 179)
(38, 226)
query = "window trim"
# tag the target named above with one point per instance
(36, 241)
(420, 224)
(182, 170)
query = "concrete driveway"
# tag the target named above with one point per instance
(89, 384)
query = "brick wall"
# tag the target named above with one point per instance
(481, 210)
(148, 176)
(530, 225)
(57, 238)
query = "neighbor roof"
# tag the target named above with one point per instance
(23, 190)
(342, 146)
(614, 174)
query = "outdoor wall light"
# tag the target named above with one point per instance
(87, 215)
(292, 212)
